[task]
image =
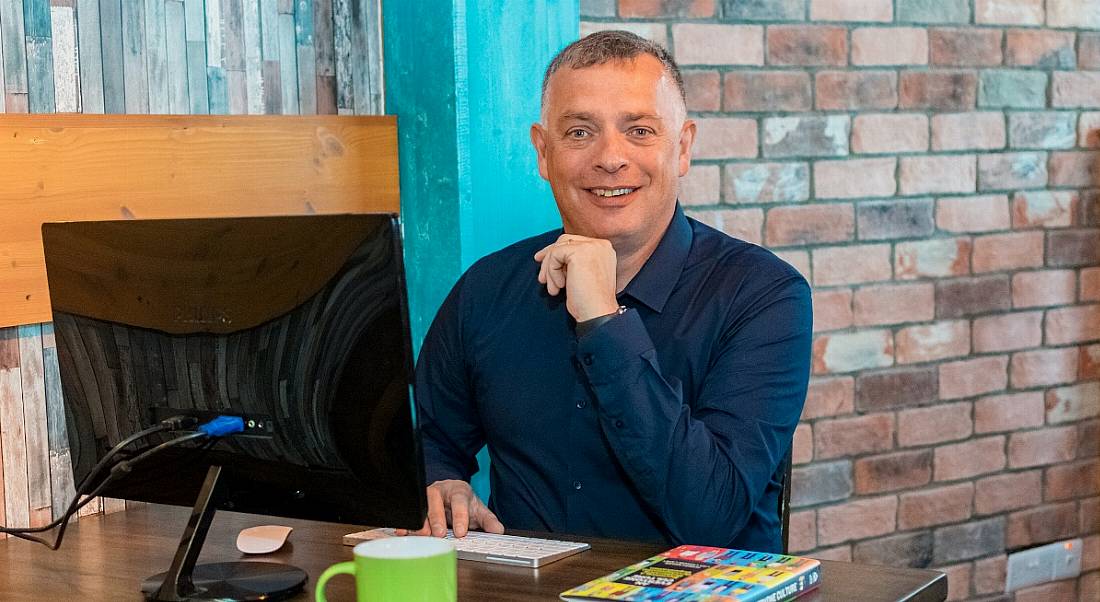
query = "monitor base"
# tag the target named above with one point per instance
(236, 581)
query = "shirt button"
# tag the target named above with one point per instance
(581, 404)
(618, 424)
(588, 359)
(576, 485)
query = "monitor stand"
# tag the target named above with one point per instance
(221, 580)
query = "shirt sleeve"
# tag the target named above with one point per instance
(702, 469)
(443, 397)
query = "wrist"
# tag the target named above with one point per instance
(586, 326)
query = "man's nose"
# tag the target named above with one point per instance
(611, 154)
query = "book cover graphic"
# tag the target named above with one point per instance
(701, 573)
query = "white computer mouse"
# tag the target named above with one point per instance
(263, 539)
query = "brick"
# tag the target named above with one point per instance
(933, 11)
(851, 10)
(1090, 553)
(1040, 48)
(809, 224)
(1089, 439)
(1073, 13)
(1042, 129)
(654, 32)
(1057, 590)
(1041, 525)
(893, 304)
(1073, 324)
(849, 352)
(839, 437)
(1088, 587)
(709, 44)
(1074, 403)
(743, 224)
(767, 182)
(695, 9)
(821, 482)
(1044, 208)
(931, 342)
(890, 133)
(965, 47)
(1043, 288)
(854, 178)
(597, 8)
(764, 10)
(968, 540)
(967, 378)
(725, 138)
(703, 90)
(1011, 251)
(802, 446)
(1010, 412)
(831, 396)
(940, 257)
(1075, 89)
(806, 136)
(1004, 171)
(969, 459)
(1074, 168)
(799, 260)
(701, 186)
(1012, 89)
(1008, 332)
(989, 575)
(908, 550)
(856, 90)
(1008, 12)
(1088, 130)
(767, 91)
(807, 45)
(895, 388)
(1089, 365)
(1044, 367)
(932, 507)
(1090, 284)
(879, 220)
(1073, 248)
(891, 472)
(939, 90)
(1044, 446)
(803, 531)
(1088, 51)
(934, 424)
(973, 214)
(858, 519)
(851, 265)
(1010, 491)
(873, 46)
(958, 581)
(1069, 481)
(968, 296)
(965, 131)
(832, 309)
(938, 174)
(1089, 522)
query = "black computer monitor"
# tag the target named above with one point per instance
(296, 324)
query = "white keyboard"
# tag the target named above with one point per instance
(489, 547)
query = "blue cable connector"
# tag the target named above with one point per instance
(222, 426)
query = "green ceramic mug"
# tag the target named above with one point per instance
(399, 569)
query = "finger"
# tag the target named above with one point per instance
(489, 521)
(425, 530)
(437, 519)
(460, 515)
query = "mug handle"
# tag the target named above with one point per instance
(340, 568)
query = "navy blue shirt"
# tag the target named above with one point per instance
(668, 423)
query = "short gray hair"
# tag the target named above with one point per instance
(605, 46)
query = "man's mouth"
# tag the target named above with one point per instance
(611, 192)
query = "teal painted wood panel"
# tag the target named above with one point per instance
(13, 36)
(40, 94)
(156, 58)
(135, 76)
(114, 76)
(176, 55)
(90, 53)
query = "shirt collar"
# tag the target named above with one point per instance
(653, 284)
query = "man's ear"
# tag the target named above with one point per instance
(687, 137)
(538, 138)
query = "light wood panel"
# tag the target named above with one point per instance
(81, 167)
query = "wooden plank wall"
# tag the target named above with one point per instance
(155, 56)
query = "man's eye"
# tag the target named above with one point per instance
(640, 132)
(577, 134)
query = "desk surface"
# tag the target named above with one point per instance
(106, 557)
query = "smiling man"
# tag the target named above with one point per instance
(636, 374)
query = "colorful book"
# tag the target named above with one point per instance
(701, 573)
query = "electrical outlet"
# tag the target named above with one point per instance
(1051, 562)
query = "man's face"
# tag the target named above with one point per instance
(612, 144)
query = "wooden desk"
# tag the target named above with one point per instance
(106, 557)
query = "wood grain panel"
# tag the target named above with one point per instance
(76, 167)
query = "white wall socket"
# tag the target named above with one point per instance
(1060, 560)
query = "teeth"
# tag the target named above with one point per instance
(613, 192)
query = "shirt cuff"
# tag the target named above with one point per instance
(605, 351)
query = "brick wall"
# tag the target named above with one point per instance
(933, 168)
